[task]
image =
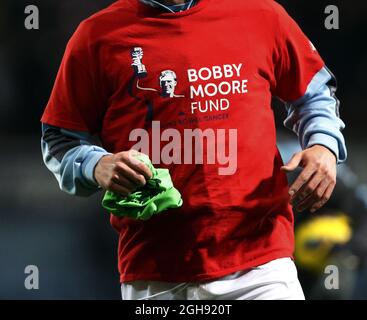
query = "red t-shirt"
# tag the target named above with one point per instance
(216, 67)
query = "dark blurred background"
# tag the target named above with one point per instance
(70, 239)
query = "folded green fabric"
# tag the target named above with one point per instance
(156, 196)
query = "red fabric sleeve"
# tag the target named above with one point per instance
(76, 100)
(296, 59)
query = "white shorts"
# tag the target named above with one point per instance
(275, 280)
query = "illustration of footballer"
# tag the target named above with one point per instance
(167, 82)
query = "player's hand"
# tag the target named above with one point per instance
(315, 184)
(121, 172)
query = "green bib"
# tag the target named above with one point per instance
(156, 196)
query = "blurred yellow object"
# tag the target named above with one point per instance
(316, 238)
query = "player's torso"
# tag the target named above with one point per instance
(206, 71)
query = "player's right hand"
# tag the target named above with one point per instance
(121, 172)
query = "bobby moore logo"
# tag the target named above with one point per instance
(167, 78)
(193, 143)
(210, 89)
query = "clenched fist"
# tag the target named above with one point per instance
(121, 172)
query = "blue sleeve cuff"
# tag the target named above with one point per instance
(327, 141)
(89, 165)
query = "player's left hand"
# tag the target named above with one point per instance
(315, 184)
